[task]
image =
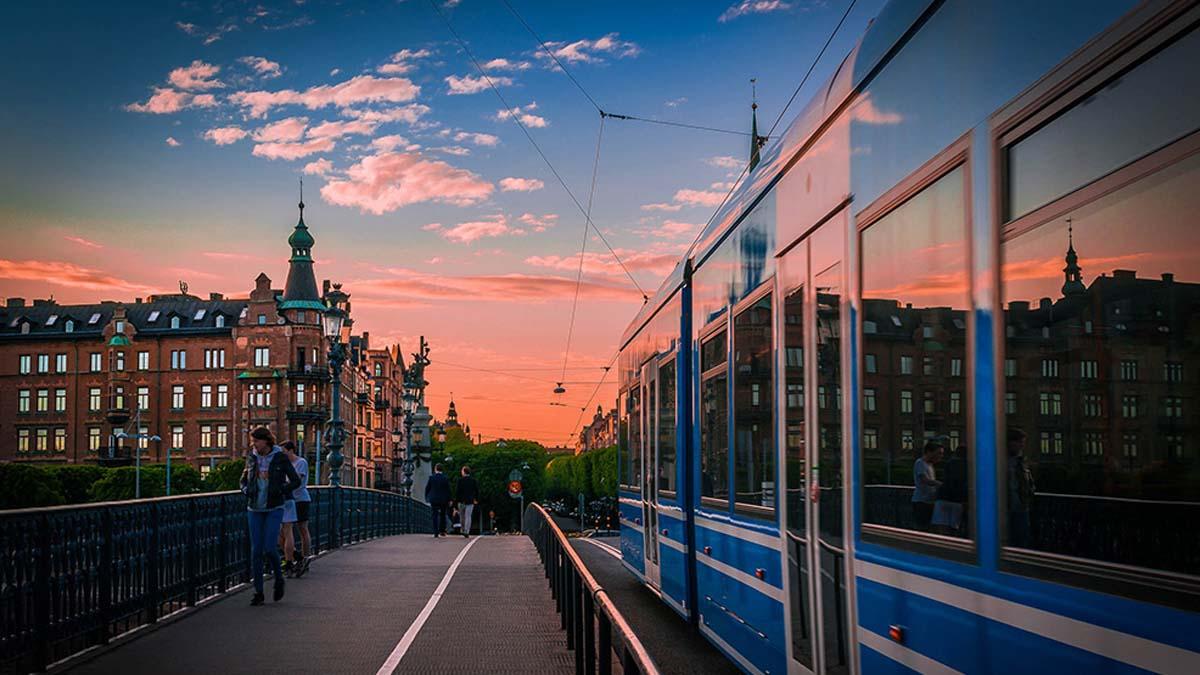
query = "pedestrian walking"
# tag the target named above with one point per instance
(295, 516)
(467, 496)
(437, 493)
(268, 480)
(925, 483)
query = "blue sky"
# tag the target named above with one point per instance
(113, 183)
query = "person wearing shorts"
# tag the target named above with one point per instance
(296, 515)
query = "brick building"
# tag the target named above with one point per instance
(199, 373)
(600, 433)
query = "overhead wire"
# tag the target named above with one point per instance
(670, 123)
(583, 248)
(553, 56)
(514, 114)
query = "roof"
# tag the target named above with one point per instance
(48, 320)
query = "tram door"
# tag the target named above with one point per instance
(649, 421)
(810, 328)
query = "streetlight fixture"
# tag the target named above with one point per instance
(333, 320)
(137, 453)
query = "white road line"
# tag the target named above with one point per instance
(393, 660)
(605, 547)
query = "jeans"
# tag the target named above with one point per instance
(440, 513)
(464, 515)
(264, 540)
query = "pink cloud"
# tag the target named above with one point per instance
(203, 101)
(866, 112)
(522, 288)
(390, 142)
(511, 184)
(699, 197)
(262, 66)
(539, 223)
(525, 115)
(338, 129)
(390, 180)
(66, 274)
(164, 101)
(402, 61)
(492, 226)
(658, 262)
(725, 162)
(222, 255)
(431, 227)
(225, 135)
(456, 150)
(470, 84)
(410, 114)
(487, 140)
(591, 51)
(172, 142)
(288, 129)
(291, 151)
(505, 64)
(360, 89)
(82, 242)
(661, 206)
(198, 76)
(318, 168)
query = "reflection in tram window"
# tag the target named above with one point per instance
(1116, 476)
(753, 415)
(635, 434)
(628, 474)
(796, 475)
(666, 428)
(714, 419)
(915, 291)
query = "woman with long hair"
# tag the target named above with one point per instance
(268, 481)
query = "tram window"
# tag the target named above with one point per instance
(1131, 116)
(793, 339)
(753, 409)
(635, 436)
(714, 419)
(666, 428)
(915, 287)
(1125, 487)
(623, 449)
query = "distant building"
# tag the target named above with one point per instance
(600, 433)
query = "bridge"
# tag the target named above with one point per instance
(160, 585)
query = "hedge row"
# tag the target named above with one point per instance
(35, 485)
(594, 474)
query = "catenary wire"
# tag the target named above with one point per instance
(514, 114)
(583, 248)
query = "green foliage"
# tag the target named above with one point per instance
(120, 483)
(490, 465)
(24, 486)
(76, 480)
(594, 474)
(226, 476)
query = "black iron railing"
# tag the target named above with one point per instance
(72, 577)
(588, 615)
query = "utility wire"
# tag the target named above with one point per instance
(514, 113)
(795, 93)
(669, 123)
(583, 246)
(584, 408)
(552, 55)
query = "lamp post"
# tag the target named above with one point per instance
(333, 320)
(137, 453)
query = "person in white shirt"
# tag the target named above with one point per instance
(925, 483)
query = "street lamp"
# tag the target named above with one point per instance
(137, 452)
(332, 321)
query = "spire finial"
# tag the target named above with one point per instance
(1070, 233)
(301, 196)
(754, 93)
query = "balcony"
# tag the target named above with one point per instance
(308, 372)
(380, 404)
(308, 412)
(363, 398)
(117, 416)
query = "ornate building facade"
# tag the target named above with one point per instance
(600, 433)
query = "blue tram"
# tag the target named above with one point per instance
(925, 394)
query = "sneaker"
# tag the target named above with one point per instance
(257, 600)
(303, 565)
(278, 590)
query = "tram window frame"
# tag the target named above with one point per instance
(1137, 37)
(624, 451)
(765, 290)
(718, 327)
(956, 156)
(669, 360)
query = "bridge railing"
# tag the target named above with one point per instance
(588, 615)
(73, 577)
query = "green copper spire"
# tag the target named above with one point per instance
(300, 291)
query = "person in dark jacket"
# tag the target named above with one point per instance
(267, 482)
(467, 496)
(437, 493)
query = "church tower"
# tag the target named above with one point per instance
(300, 291)
(451, 416)
(1073, 273)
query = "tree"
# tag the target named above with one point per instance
(120, 483)
(76, 480)
(24, 486)
(226, 476)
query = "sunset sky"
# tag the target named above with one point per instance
(150, 144)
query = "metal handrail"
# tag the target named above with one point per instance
(588, 614)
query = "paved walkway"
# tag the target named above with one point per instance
(356, 605)
(674, 646)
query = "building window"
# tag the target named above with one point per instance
(94, 439)
(1172, 406)
(220, 321)
(378, 369)
(222, 436)
(1129, 445)
(60, 400)
(906, 365)
(1088, 370)
(43, 400)
(753, 423)
(119, 361)
(143, 361)
(1010, 403)
(1129, 370)
(119, 397)
(23, 398)
(1173, 372)
(795, 357)
(1093, 405)
(22, 440)
(177, 437)
(26, 364)
(178, 359)
(1049, 367)
(906, 401)
(214, 358)
(930, 404)
(1174, 446)
(222, 396)
(714, 419)
(177, 397)
(94, 399)
(871, 364)
(69, 326)
(870, 438)
(956, 403)
(795, 395)
(143, 398)
(206, 396)
(174, 322)
(1050, 403)
(1129, 406)
(1010, 367)
(300, 394)
(43, 364)
(262, 357)
(955, 367)
(1052, 443)
(143, 438)
(906, 439)
(60, 363)
(869, 400)
(96, 362)
(260, 395)
(60, 439)
(927, 365)
(262, 319)
(822, 399)
(206, 436)
(119, 327)
(43, 440)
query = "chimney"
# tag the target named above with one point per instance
(324, 288)
(137, 301)
(39, 302)
(215, 296)
(1168, 277)
(16, 302)
(1018, 306)
(1124, 275)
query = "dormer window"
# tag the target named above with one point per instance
(199, 315)
(25, 328)
(153, 316)
(244, 311)
(262, 319)
(51, 320)
(95, 318)
(70, 326)
(174, 322)
(120, 327)
(220, 321)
